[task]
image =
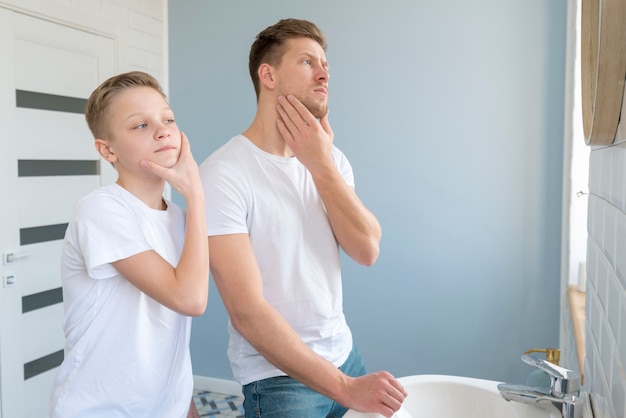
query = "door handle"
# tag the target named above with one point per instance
(11, 257)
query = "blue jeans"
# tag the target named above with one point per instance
(284, 397)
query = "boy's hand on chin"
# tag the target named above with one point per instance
(182, 176)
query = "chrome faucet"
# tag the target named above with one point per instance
(562, 397)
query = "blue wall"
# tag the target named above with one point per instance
(451, 113)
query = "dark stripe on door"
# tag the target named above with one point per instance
(44, 233)
(44, 101)
(36, 168)
(42, 299)
(42, 364)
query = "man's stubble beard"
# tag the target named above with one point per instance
(317, 110)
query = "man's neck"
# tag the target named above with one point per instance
(264, 133)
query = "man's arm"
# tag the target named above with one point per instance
(357, 230)
(239, 282)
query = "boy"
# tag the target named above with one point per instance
(133, 268)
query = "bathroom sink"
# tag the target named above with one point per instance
(444, 396)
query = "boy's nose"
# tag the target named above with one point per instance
(162, 133)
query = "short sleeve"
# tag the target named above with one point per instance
(227, 199)
(106, 230)
(344, 167)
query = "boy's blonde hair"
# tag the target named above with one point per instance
(96, 110)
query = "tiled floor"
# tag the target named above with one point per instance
(211, 404)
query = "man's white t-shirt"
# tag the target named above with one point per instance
(126, 355)
(274, 200)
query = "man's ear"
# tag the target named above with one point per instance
(103, 148)
(266, 75)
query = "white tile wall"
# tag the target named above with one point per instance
(605, 336)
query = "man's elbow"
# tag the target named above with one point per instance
(243, 326)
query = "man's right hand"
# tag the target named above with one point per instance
(375, 392)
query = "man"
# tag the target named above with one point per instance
(280, 202)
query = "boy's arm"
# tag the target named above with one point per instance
(193, 411)
(184, 289)
(239, 282)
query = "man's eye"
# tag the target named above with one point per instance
(169, 121)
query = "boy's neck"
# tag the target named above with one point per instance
(148, 193)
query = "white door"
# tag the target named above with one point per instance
(47, 162)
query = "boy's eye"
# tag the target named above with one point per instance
(141, 125)
(169, 121)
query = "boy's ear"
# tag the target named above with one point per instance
(266, 75)
(103, 148)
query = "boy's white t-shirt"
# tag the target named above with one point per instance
(126, 355)
(274, 200)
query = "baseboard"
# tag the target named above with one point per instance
(211, 384)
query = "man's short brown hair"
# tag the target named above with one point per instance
(269, 45)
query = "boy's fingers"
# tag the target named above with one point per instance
(169, 173)
(184, 142)
(153, 168)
